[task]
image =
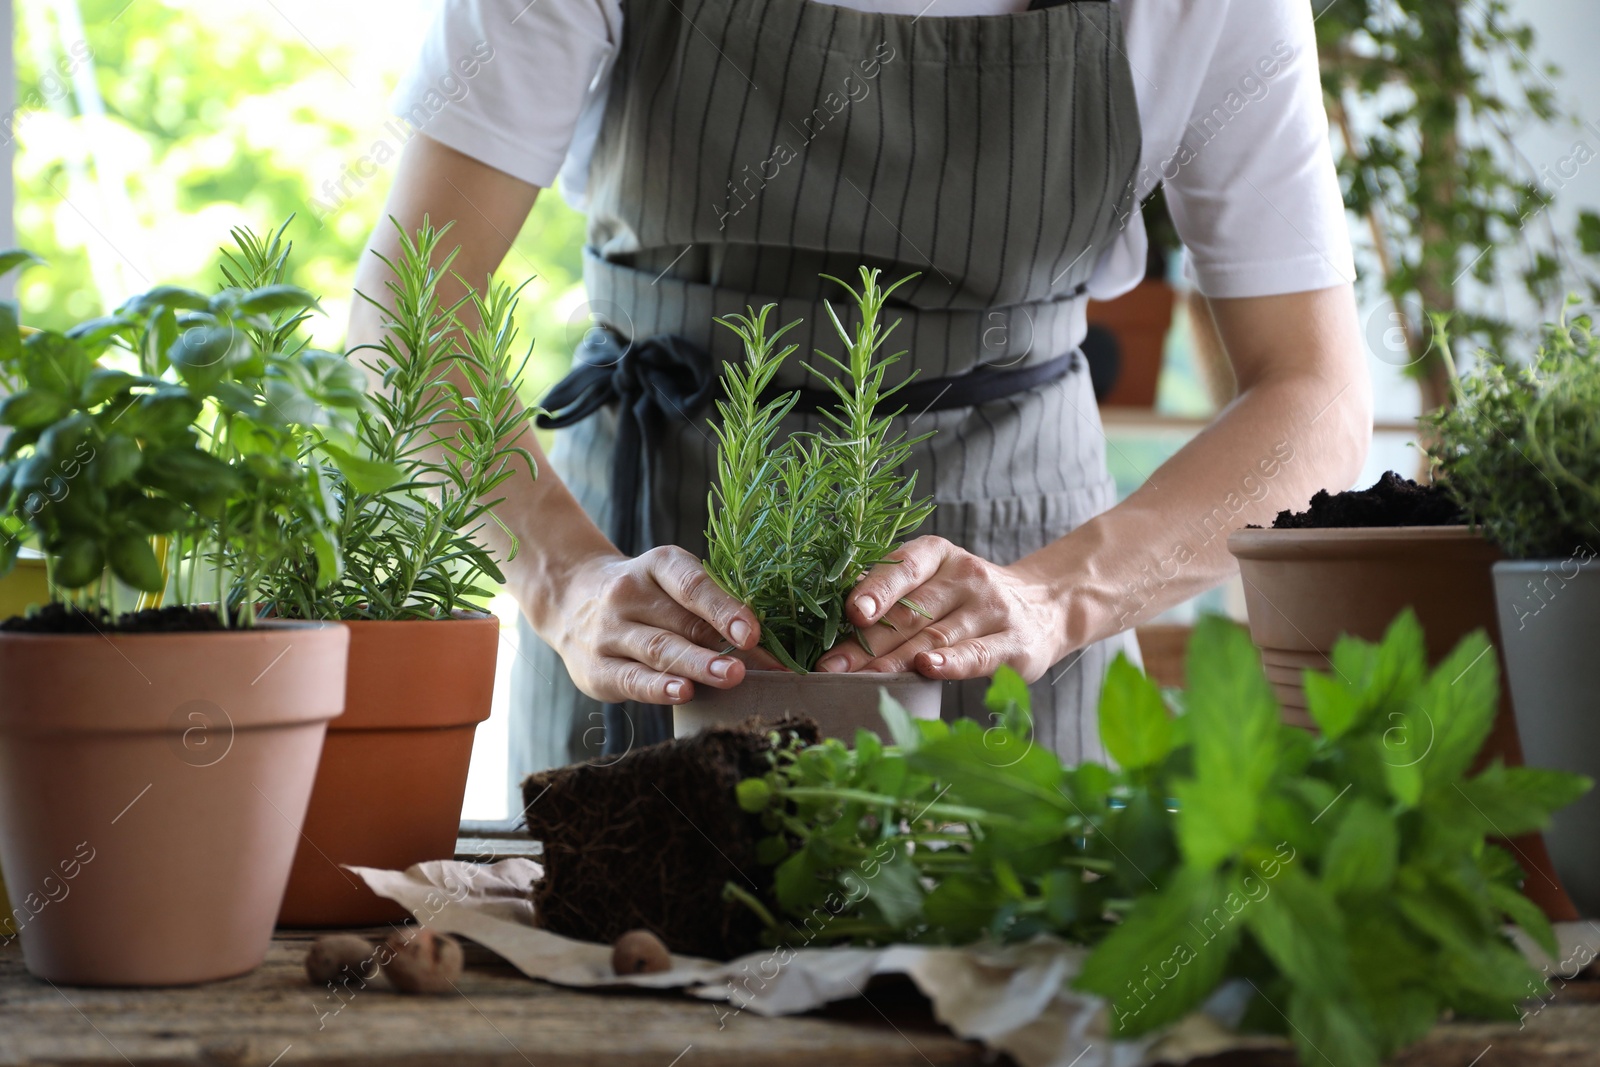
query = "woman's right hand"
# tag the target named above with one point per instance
(650, 628)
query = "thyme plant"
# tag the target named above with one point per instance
(165, 445)
(416, 481)
(796, 522)
(1520, 449)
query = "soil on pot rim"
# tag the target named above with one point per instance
(58, 618)
(649, 841)
(1391, 501)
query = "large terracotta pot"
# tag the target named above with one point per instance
(1304, 588)
(394, 769)
(1140, 319)
(26, 585)
(839, 703)
(152, 788)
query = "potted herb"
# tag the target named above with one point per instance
(1348, 565)
(415, 484)
(796, 522)
(1341, 873)
(1520, 450)
(157, 763)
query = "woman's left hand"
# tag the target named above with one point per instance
(978, 616)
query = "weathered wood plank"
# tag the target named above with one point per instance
(501, 1019)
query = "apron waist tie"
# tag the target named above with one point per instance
(654, 379)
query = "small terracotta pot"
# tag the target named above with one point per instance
(1304, 588)
(839, 703)
(152, 788)
(394, 769)
(1140, 320)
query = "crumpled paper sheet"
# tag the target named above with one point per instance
(1014, 998)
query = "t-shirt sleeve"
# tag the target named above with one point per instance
(505, 81)
(1256, 198)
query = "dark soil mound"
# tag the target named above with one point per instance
(1392, 501)
(55, 618)
(649, 841)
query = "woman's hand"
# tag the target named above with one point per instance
(982, 615)
(650, 628)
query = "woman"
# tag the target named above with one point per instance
(728, 152)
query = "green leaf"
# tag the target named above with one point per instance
(365, 475)
(754, 795)
(133, 560)
(1364, 851)
(1333, 705)
(79, 562)
(1008, 699)
(1330, 1032)
(1388, 673)
(274, 298)
(1508, 801)
(1462, 697)
(902, 730)
(895, 891)
(13, 258)
(1235, 715)
(102, 384)
(1526, 914)
(1134, 725)
(28, 409)
(166, 296)
(1216, 818)
(117, 459)
(1166, 957)
(51, 361)
(202, 354)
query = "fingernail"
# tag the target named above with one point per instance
(832, 665)
(867, 606)
(674, 690)
(739, 630)
(935, 659)
(721, 667)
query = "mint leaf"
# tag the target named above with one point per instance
(1507, 801)
(1166, 957)
(1134, 725)
(1363, 852)
(1462, 697)
(1235, 716)
(1329, 1032)
(1334, 706)
(1299, 927)
(902, 730)
(1216, 818)
(1526, 914)
(1007, 697)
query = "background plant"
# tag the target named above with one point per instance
(415, 485)
(795, 523)
(1346, 875)
(1521, 448)
(1427, 96)
(166, 442)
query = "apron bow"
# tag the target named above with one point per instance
(651, 381)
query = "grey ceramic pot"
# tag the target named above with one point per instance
(839, 703)
(1550, 629)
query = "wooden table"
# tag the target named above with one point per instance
(275, 1017)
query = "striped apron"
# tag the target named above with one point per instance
(749, 146)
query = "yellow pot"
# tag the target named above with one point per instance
(24, 586)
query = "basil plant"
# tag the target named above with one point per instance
(171, 444)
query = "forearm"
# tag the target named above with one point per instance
(1301, 422)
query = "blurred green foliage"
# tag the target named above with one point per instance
(221, 115)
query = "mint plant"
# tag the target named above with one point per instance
(165, 444)
(1520, 448)
(796, 523)
(415, 482)
(1347, 875)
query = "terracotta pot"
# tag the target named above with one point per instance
(1140, 320)
(840, 703)
(27, 584)
(152, 788)
(1304, 588)
(394, 769)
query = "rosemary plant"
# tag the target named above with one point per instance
(796, 522)
(416, 482)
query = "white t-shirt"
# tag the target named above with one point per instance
(1229, 99)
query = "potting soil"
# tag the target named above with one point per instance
(56, 618)
(1392, 501)
(648, 841)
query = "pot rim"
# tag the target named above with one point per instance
(1540, 564)
(1273, 544)
(880, 677)
(263, 625)
(478, 617)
